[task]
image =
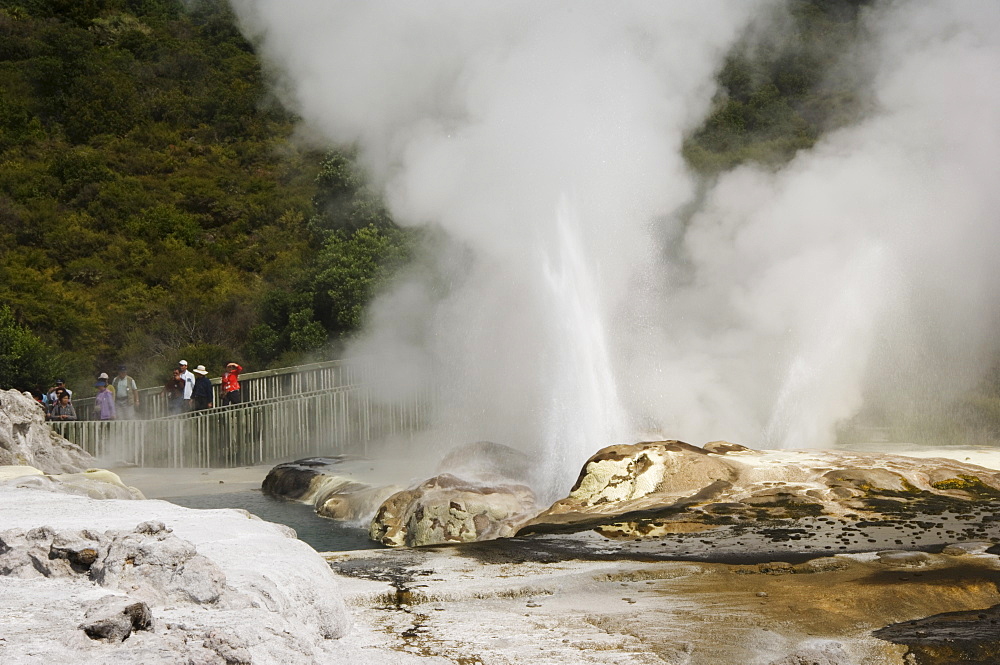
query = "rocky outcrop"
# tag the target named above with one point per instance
(653, 489)
(93, 483)
(486, 461)
(480, 492)
(322, 482)
(447, 509)
(25, 439)
(32, 455)
(949, 638)
(671, 482)
(644, 476)
(215, 586)
(299, 480)
(116, 625)
(148, 563)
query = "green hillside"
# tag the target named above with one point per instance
(153, 204)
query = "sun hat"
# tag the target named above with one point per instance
(200, 369)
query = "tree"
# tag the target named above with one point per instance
(353, 267)
(26, 363)
(344, 201)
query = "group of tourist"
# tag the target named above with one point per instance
(58, 402)
(186, 392)
(118, 398)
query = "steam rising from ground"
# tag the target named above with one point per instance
(573, 304)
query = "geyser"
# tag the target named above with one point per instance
(577, 300)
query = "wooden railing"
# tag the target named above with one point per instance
(317, 422)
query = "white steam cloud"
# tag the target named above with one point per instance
(574, 305)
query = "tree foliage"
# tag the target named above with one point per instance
(26, 362)
(779, 96)
(153, 203)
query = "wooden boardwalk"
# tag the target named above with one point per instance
(288, 422)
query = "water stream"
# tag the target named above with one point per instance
(323, 535)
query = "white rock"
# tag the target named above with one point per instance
(93, 483)
(25, 439)
(221, 577)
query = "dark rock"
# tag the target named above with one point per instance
(80, 558)
(111, 629)
(118, 625)
(952, 638)
(294, 480)
(140, 616)
(47, 553)
(321, 482)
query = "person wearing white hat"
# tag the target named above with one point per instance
(202, 394)
(103, 376)
(188, 379)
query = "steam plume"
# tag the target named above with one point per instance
(544, 139)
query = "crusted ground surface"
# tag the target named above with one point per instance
(501, 603)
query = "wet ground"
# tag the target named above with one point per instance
(559, 599)
(750, 541)
(920, 590)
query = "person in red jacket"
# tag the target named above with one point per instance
(231, 384)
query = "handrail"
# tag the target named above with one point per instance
(254, 386)
(261, 402)
(318, 422)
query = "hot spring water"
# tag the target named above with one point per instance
(323, 535)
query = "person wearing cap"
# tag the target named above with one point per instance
(60, 387)
(104, 402)
(231, 384)
(202, 395)
(188, 379)
(126, 394)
